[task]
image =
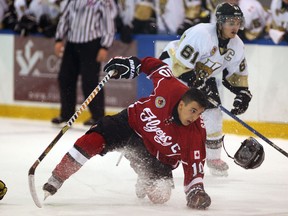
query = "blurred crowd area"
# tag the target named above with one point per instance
(263, 19)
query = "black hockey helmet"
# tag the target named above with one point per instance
(250, 155)
(26, 25)
(225, 11)
(9, 20)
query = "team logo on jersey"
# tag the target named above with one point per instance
(197, 155)
(160, 102)
(213, 51)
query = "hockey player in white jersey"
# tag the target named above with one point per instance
(203, 53)
(279, 28)
(256, 19)
(151, 16)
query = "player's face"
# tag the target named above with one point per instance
(190, 112)
(231, 27)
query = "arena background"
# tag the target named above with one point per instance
(29, 89)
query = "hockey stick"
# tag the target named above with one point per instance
(248, 127)
(84, 105)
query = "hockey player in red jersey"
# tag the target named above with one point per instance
(155, 133)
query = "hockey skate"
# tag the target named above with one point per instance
(218, 167)
(51, 187)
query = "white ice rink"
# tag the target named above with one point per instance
(102, 188)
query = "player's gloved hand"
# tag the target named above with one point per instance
(3, 189)
(192, 79)
(211, 90)
(124, 67)
(241, 102)
(197, 198)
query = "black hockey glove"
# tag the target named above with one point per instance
(192, 79)
(27, 25)
(241, 102)
(211, 90)
(197, 198)
(125, 67)
(3, 189)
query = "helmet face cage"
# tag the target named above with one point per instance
(222, 19)
(229, 12)
(250, 155)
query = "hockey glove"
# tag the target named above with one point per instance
(3, 189)
(197, 198)
(125, 67)
(192, 79)
(211, 90)
(241, 102)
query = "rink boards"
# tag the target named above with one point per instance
(29, 88)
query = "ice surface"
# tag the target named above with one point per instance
(102, 188)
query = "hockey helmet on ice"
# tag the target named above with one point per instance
(226, 11)
(250, 155)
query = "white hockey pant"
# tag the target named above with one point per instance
(213, 123)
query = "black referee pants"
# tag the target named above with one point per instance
(79, 60)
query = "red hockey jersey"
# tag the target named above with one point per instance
(168, 141)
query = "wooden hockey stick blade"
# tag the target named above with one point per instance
(33, 192)
(32, 169)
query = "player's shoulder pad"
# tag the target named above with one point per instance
(201, 35)
(149, 65)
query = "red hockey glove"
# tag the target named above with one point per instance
(125, 67)
(197, 198)
(3, 189)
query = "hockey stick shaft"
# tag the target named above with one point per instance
(248, 127)
(60, 134)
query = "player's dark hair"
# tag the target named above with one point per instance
(194, 94)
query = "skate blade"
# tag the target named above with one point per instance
(46, 194)
(216, 172)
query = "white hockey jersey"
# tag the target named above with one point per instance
(279, 15)
(169, 14)
(38, 8)
(279, 21)
(199, 46)
(256, 18)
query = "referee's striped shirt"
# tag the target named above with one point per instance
(85, 20)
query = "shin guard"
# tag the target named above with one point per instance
(85, 147)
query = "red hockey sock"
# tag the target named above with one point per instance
(90, 144)
(66, 168)
(85, 147)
